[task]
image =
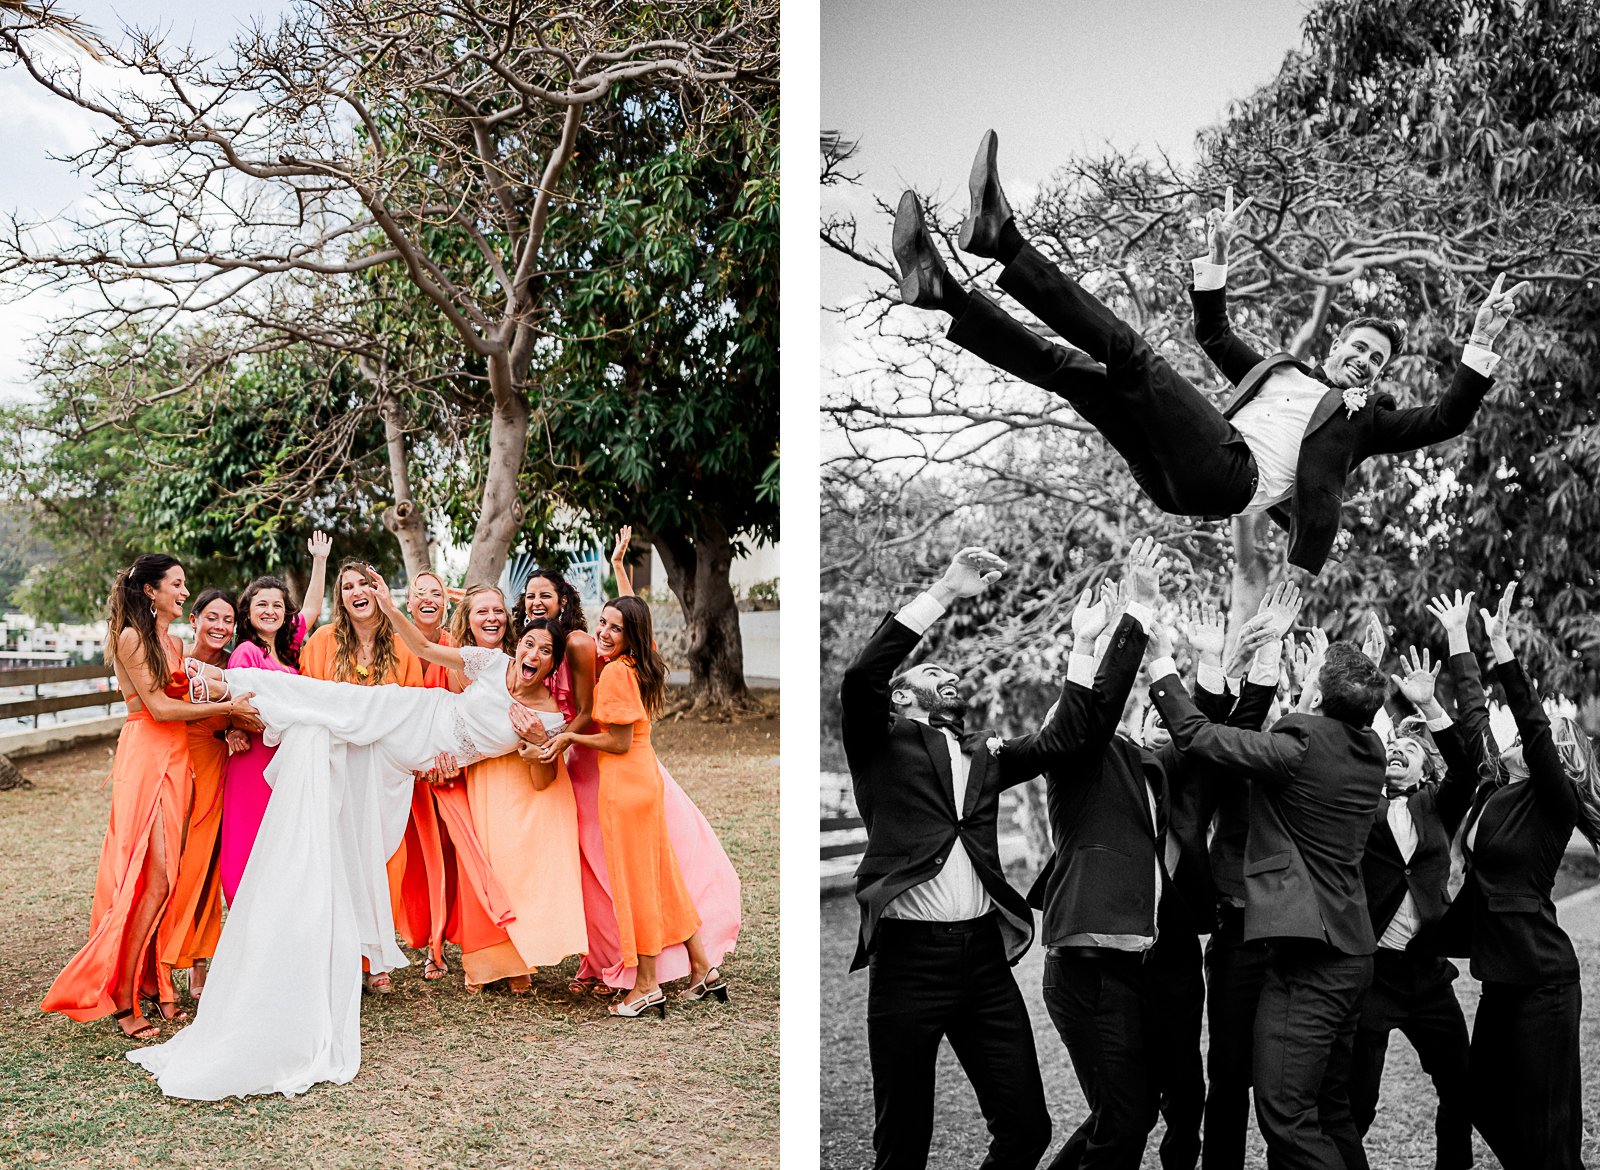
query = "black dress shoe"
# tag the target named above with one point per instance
(980, 231)
(922, 271)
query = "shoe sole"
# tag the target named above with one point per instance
(984, 164)
(908, 226)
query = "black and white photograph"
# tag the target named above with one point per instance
(1210, 585)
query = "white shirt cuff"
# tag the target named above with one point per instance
(1264, 667)
(1440, 723)
(920, 613)
(1382, 724)
(1161, 667)
(1143, 614)
(1209, 276)
(1209, 679)
(1479, 360)
(1080, 669)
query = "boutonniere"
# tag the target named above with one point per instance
(994, 743)
(1355, 397)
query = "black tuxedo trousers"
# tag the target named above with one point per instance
(1188, 458)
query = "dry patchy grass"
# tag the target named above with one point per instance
(446, 1080)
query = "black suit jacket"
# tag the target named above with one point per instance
(1335, 442)
(1102, 877)
(1227, 794)
(905, 791)
(1523, 830)
(1436, 811)
(1315, 782)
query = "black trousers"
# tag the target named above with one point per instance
(1305, 1034)
(1188, 458)
(933, 980)
(1527, 1097)
(1176, 987)
(1235, 971)
(1416, 994)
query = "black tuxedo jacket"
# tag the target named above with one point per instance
(1335, 442)
(1436, 811)
(1504, 911)
(1315, 782)
(1197, 794)
(1102, 877)
(905, 791)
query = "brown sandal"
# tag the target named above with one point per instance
(432, 970)
(145, 1031)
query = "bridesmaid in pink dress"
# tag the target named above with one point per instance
(269, 639)
(709, 875)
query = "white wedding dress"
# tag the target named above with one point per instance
(282, 1005)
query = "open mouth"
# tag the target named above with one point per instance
(948, 691)
(529, 673)
(428, 611)
(493, 629)
(360, 604)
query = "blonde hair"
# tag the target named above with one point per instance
(346, 644)
(461, 625)
(1578, 757)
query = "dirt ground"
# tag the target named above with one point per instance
(446, 1080)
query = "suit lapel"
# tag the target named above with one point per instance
(939, 752)
(1252, 382)
(1385, 829)
(1326, 406)
(978, 772)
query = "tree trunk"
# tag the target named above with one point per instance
(697, 573)
(404, 520)
(11, 778)
(1251, 570)
(501, 513)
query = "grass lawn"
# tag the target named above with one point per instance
(1401, 1138)
(446, 1080)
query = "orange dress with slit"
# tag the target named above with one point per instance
(150, 793)
(654, 909)
(195, 907)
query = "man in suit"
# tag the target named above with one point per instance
(1315, 780)
(940, 926)
(1406, 868)
(1286, 441)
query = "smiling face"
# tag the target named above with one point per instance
(168, 595)
(541, 599)
(426, 603)
(609, 635)
(1358, 358)
(536, 657)
(1403, 762)
(1155, 733)
(486, 618)
(930, 688)
(213, 626)
(268, 609)
(355, 595)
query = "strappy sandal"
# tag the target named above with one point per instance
(520, 985)
(657, 999)
(170, 1011)
(432, 969)
(378, 983)
(145, 1031)
(712, 985)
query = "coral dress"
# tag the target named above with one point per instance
(150, 793)
(653, 906)
(709, 875)
(531, 837)
(245, 791)
(195, 906)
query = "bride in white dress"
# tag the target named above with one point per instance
(282, 1009)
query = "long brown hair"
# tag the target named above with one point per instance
(1578, 758)
(131, 607)
(640, 633)
(346, 644)
(283, 640)
(461, 625)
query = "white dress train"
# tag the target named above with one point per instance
(282, 1006)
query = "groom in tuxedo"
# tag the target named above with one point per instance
(940, 926)
(1287, 439)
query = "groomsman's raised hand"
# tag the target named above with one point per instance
(1145, 562)
(1282, 604)
(1498, 625)
(1253, 635)
(971, 571)
(1375, 641)
(1088, 619)
(1454, 616)
(1421, 674)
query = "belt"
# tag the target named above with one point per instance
(915, 926)
(1088, 952)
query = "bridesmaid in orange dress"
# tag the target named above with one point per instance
(359, 646)
(653, 906)
(524, 813)
(196, 903)
(150, 794)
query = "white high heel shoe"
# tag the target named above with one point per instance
(626, 1011)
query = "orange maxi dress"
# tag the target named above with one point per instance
(654, 909)
(150, 792)
(196, 903)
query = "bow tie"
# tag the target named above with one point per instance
(953, 721)
(1397, 793)
(1317, 374)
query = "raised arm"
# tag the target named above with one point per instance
(446, 656)
(1232, 356)
(135, 673)
(619, 561)
(319, 546)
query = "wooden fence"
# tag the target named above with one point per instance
(37, 676)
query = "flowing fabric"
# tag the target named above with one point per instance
(531, 836)
(195, 905)
(150, 793)
(281, 1010)
(709, 876)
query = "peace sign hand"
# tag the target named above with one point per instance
(1497, 309)
(1222, 223)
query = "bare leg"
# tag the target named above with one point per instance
(645, 982)
(197, 978)
(141, 928)
(699, 961)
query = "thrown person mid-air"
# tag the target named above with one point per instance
(1287, 439)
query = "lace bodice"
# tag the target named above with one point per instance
(479, 717)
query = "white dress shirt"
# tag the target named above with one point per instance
(1273, 423)
(1403, 926)
(954, 894)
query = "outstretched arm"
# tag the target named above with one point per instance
(319, 546)
(1233, 356)
(446, 656)
(619, 561)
